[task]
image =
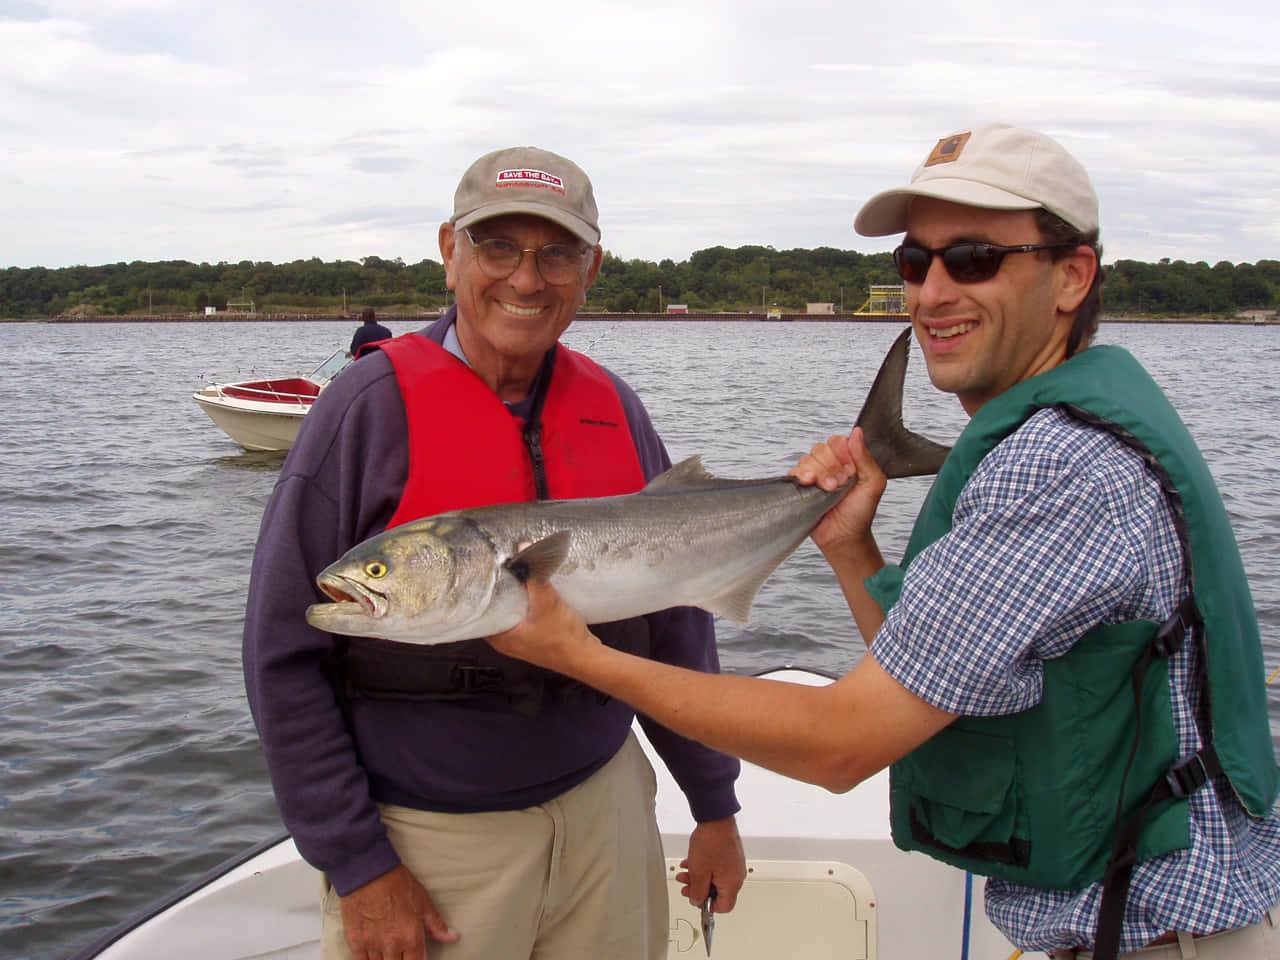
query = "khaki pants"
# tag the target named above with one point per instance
(580, 877)
(1261, 941)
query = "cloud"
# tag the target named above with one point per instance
(153, 129)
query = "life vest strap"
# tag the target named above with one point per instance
(1182, 779)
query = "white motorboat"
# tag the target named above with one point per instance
(824, 881)
(266, 414)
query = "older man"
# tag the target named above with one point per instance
(1066, 673)
(452, 794)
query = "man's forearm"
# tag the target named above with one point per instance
(833, 736)
(852, 566)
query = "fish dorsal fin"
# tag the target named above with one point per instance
(685, 474)
(690, 475)
(540, 560)
(898, 451)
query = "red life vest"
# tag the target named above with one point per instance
(467, 450)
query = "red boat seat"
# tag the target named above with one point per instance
(284, 390)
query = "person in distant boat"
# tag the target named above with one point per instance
(370, 331)
(1065, 671)
(455, 798)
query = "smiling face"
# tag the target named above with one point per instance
(979, 339)
(506, 326)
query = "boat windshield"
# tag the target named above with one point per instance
(330, 368)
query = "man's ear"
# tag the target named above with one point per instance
(448, 238)
(597, 258)
(1076, 272)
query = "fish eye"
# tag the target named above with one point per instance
(376, 569)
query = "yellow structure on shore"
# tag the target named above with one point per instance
(886, 300)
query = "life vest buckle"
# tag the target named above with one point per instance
(1169, 638)
(1187, 777)
(474, 678)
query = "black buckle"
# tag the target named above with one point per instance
(1169, 638)
(472, 678)
(1188, 777)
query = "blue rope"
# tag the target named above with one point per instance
(968, 912)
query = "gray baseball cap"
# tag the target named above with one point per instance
(994, 166)
(527, 180)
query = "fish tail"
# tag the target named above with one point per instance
(898, 451)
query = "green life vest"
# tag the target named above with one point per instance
(1032, 797)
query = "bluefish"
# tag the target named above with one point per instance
(688, 538)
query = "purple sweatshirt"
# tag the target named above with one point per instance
(340, 484)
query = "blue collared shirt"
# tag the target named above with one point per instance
(1059, 529)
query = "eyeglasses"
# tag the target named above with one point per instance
(499, 258)
(965, 262)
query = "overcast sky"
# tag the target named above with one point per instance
(263, 130)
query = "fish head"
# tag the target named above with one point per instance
(421, 582)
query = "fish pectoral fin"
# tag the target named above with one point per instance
(540, 560)
(734, 602)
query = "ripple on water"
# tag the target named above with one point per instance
(128, 757)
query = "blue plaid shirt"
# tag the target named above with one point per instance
(1062, 528)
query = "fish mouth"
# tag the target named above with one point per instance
(350, 597)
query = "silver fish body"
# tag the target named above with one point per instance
(686, 539)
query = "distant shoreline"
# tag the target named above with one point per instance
(582, 317)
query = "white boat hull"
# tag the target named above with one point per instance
(255, 426)
(265, 414)
(824, 881)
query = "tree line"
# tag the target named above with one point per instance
(741, 279)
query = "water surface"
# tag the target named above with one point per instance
(128, 762)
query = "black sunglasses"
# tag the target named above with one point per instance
(965, 262)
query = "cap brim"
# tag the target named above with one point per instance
(886, 212)
(575, 225)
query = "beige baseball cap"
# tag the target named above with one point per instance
(527, 180)
(994, 166)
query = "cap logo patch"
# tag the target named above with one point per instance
(529, 178)
(948, 149)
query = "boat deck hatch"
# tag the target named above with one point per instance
(787, 908)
